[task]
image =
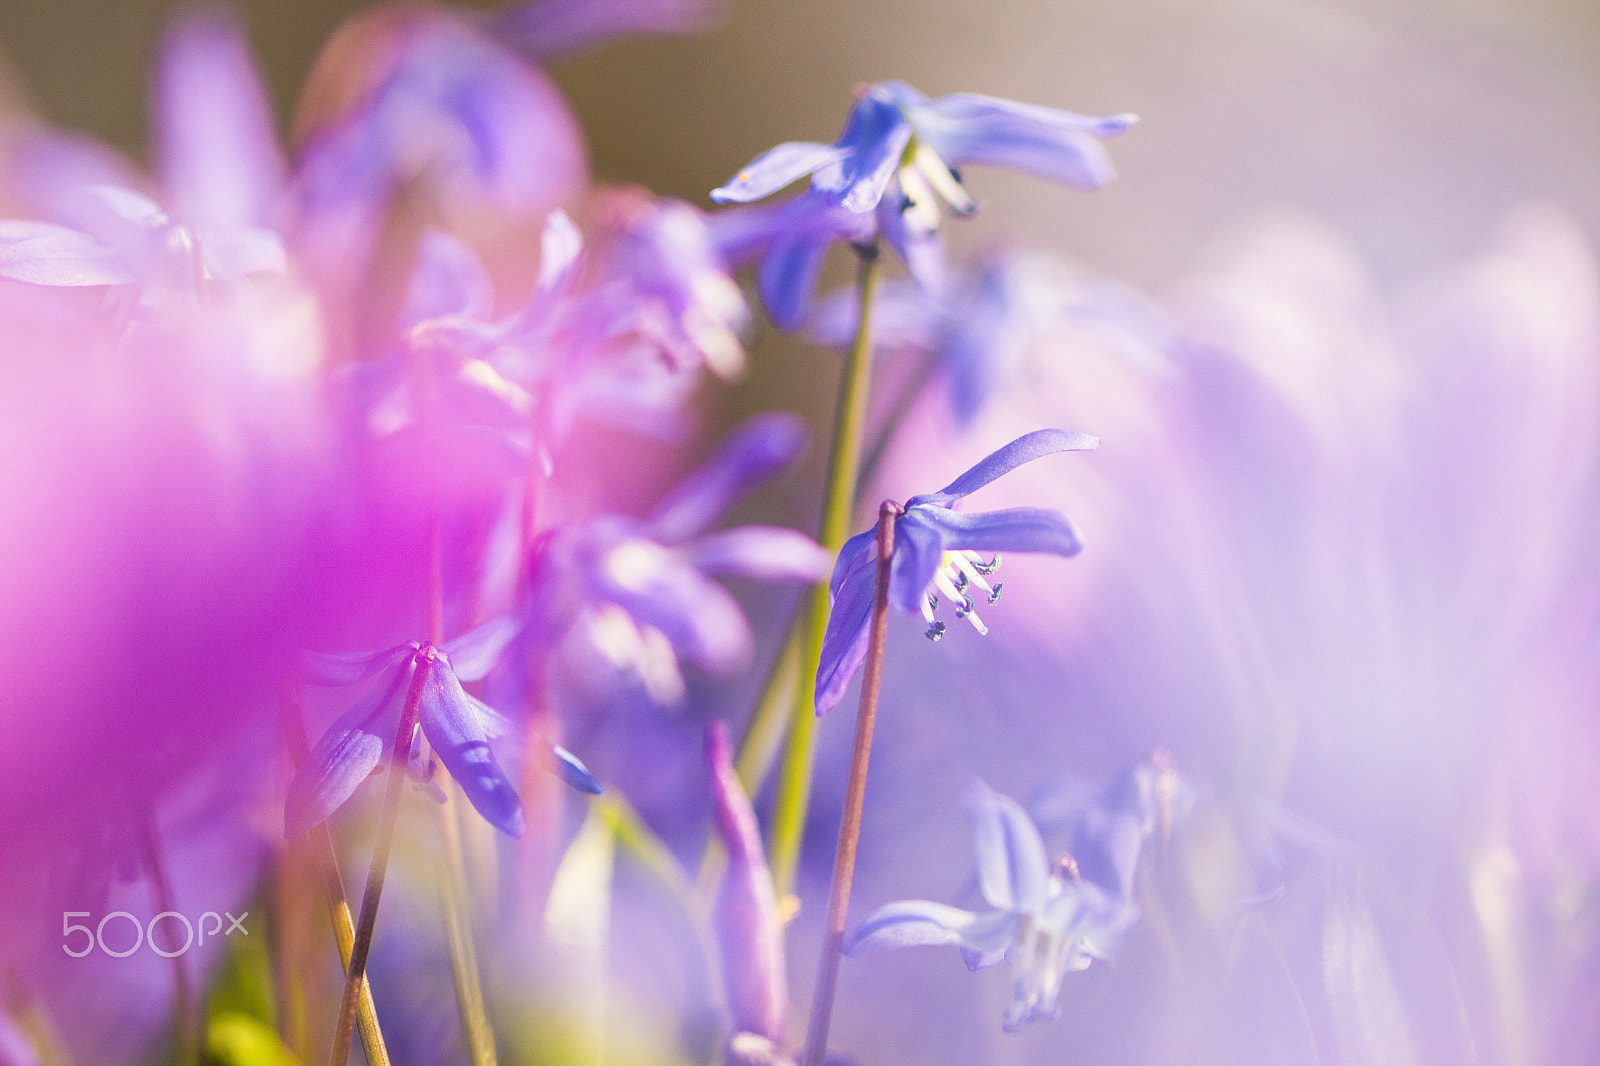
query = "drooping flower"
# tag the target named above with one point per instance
(646, 586)
(894, 164)
(1046, 922)
(749, 932)
(936, 553)
(456, 725)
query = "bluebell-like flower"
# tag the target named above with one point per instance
(936, 553)
(1046, 922)
(894, 164)
(456, 725)
(221, 175)
(644, 590)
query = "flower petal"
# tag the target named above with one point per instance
(474, 653)
(844, 644)
(447, 280)
(1014, 529)
(918, 554)
(350, 750)
(876, 134)
(335, 668)
(766, 553)
(659, 587)
(547, 29)
(1025, 449)
(775, 168)
(1013, 869)
(1057, 145)
(788, 276)
(220, 163)
(40, 253)
(918, 922)
(757, 450)
(452, 727)
(570, 769)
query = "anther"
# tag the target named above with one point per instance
(994, 597)
(935, 631)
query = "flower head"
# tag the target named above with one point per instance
(936, 553)
(455, 724)
(650, 582)
(1046, 922)
(890, 171)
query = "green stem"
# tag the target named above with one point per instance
(844, 858)
(794, 781)
(361, 945)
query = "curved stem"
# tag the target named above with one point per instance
(361, 945)
(794, 781)
(844, 858)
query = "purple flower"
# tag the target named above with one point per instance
(897, 160)
(749, 932)
(221, 175)
(936, 554)
(1046, 921)
(643, 590)
(546, 29)
(457, 726)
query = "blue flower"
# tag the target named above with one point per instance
(455, 724)
(1046, 922)
(896, 162)
(936, 553)
(644, 590)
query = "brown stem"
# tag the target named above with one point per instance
(327, 860)
(844, 859)
(362, 944)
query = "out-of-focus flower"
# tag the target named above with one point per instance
(1047, 922)
(983, 326)
(748, 930)
(936, 553)
(648, 585)
(887, 174)
(221, 173)
(547, 29)
(456, 724)
(407, 97)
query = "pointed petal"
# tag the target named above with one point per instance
(474, 653)
(447, 280)
(334, 668)
(1025, 449)
(759, 449)
(560, 254)
(40, 253)
(1014, 529)
(788, 276)
(876, 135)
(1057, 145)
(350, 750)
(917, 922)
(451, 723)
(746, 916)
(844, 643)
(775, 168)
(220, 163)
(1013, 869)
(766, 553)
(570, 769)
(660, 588)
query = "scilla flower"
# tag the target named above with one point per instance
(1047, 922)
(890, 171)
(456, 725)
(936, 555)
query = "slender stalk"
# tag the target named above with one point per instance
(361, 944)
(475, 1026)
(327, 860)
(186, 1036)
(844, 858)
(453, 891)
(794, 781)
